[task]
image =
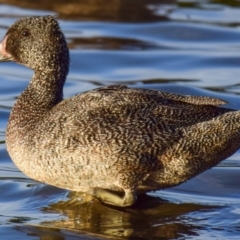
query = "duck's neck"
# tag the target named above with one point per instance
(43, 92)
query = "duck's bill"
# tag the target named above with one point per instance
(4, 55)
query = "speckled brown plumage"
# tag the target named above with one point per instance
(115, 137)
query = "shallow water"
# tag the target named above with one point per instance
(186, 47)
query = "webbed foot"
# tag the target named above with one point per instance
(113, 199)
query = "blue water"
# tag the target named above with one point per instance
(187, 47)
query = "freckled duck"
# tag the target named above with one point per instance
(113, 142)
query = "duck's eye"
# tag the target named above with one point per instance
(25, 33)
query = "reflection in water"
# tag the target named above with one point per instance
(164, 218)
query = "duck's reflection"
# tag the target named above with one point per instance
(89, 218)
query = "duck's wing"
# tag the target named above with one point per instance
(120, 104)
(196, 100)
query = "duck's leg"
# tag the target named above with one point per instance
(108, 197)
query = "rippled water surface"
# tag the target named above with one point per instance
(186, 47)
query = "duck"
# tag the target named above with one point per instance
(113, 142)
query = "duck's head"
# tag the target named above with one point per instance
(36, 42)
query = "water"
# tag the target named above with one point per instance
(186, 47)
